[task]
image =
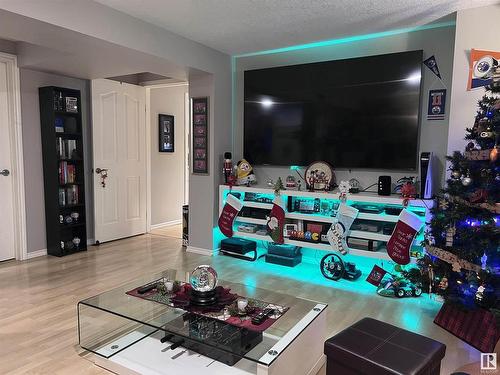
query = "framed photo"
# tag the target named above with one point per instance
(200, 153)
(200, 131)
(166, 133)
(199, 141)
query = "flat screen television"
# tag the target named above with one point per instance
(358, 113)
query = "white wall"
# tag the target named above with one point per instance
(167, 169)
(477, 28)
(202, 64)
(433, 134)
(32, 151)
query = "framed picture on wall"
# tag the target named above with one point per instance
(166, 133)
(199, 141)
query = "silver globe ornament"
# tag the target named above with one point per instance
(467, 180)
(203, 278)
(456, 175)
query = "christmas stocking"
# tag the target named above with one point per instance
(276, 221)
(229, 212)
(337, 233)
(402, 237)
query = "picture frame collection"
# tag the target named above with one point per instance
(200, 135)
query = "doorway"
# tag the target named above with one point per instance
(12, 214)
(168, 113)
(141, 158)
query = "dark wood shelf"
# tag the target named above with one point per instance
(69, 135)
(64, 113)
(71, 184)
(71, 206)
(70, 226)
(57, 232)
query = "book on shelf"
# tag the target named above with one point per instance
(67, 173)
(69, 196)
(66, 148)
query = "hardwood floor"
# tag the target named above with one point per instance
(38, 322)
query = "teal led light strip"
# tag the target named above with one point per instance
(348, 39)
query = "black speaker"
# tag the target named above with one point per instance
(384, 185)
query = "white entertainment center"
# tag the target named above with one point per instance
(418, 206)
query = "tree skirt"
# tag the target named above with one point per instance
(477, 328)
(225, 309)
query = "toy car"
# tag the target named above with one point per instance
(398, 288)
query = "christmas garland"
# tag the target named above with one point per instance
(448, 257)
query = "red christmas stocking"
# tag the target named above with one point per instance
(402, 237)
(229, 212)
(276, 221)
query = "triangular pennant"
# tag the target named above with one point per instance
(432, 64)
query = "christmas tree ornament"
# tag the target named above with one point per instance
(479, 294)
(405, 231)
(230, 210)
(470, 146)
(450, 235)
(494, 154)
(443, 284)
(484, 259)
(337, 234)
(467, 180)
(456, 174)
(488, 133)
(444, 204)
(276, 221)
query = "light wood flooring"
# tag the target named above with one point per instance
(38, 297)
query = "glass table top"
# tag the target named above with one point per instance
(100, 314)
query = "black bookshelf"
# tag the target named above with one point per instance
(63, 170)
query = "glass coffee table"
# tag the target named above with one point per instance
(131, 335)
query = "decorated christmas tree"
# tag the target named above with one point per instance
(463, 242)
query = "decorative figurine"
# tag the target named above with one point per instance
(320, 176)
(291, 183)
(227, 169)
(244, 173)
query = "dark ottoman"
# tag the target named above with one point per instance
(373, 347)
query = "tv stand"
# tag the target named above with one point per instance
(385, 203)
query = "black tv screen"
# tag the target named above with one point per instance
(356, 113)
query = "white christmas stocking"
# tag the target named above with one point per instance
(337, 234)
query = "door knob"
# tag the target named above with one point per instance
(5, 172)
(100, 170)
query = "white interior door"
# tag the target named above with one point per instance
(7, 246)
(119, 142)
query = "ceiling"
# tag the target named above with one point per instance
(242, 26)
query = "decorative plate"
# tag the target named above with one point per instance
(320, 176)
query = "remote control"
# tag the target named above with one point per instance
(260, 318)
(146, 288)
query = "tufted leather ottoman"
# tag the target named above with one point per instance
(373, 347)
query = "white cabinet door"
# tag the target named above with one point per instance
(119, 148)
(7, 250)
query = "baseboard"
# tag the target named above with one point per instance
(37, 253)
(90, 242)
(166, 224)
(201, 251)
